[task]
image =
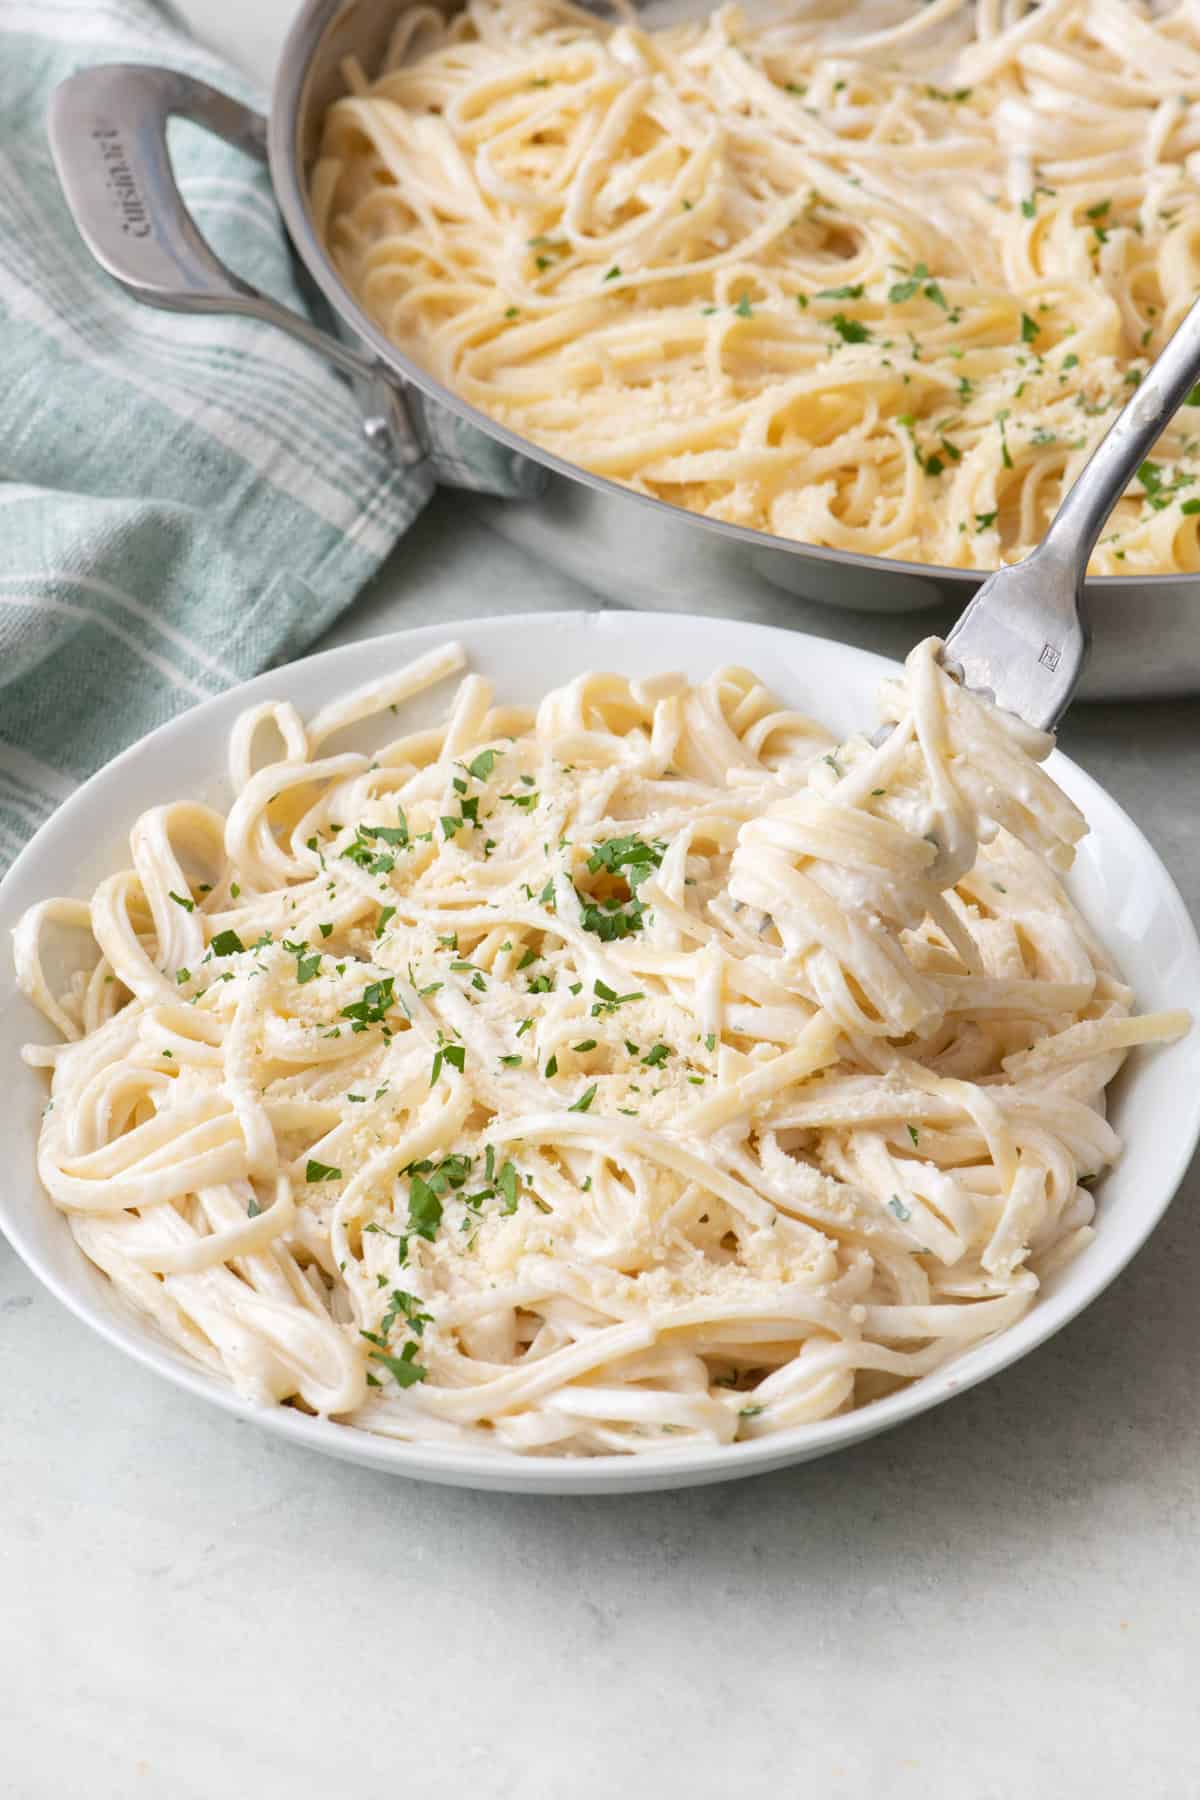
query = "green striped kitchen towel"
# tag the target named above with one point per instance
(183, 500)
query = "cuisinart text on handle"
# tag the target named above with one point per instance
(118, 179)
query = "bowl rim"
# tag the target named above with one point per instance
(484, 1467)
(315, 19)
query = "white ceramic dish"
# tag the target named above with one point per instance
(1119, 882)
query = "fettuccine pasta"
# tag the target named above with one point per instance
(645, 1069)
(873, 277)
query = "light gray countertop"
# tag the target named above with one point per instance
(996, 1601)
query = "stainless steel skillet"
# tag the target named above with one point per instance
(108, 135)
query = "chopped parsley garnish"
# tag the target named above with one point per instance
(1029, 206)
(613, 272)
(482, 765)
(468, 814)
(630, 854)
(253, 1209)
(851, 291)
(182, 975)
(635, 860)
(851, 331)
(381, 924)
(607, 1000)
(525, 801)
(319, 1171)
(586, 1044)
(454, 1054)
(512, 1062)
(551, 1065)
(388, 834)
(183, 900)
(374, 1005)
(227, 943)
(374, 862)
(913, 1134)
(904, 290)
(363, 853)
(407, 1307)
(610, 920)
(1005, 455)
(655, 1058)
(984, 520)
(584, 1101)
(1150, 476)
(508, 1182)
(743, 309)
(404, 1369)
(1029, 328)
(424, 1209)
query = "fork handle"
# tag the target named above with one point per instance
(1116, 459)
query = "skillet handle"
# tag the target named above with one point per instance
(108, 136)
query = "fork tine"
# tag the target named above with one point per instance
(1023, 639)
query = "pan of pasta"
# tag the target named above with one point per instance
(602, 1070)
(829, 299)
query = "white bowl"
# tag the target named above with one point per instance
(1118, 881)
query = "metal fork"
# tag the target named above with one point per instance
(1023, 640)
